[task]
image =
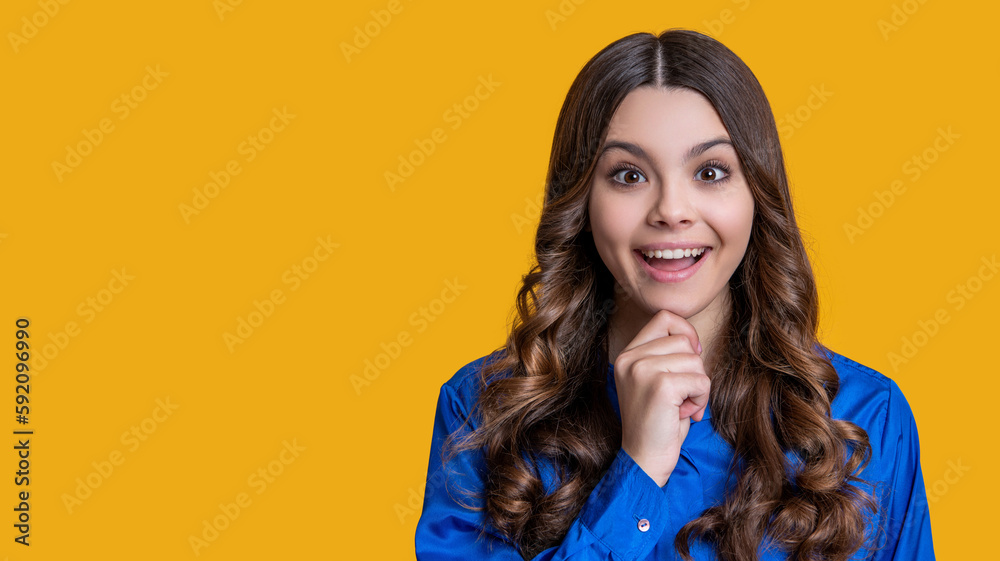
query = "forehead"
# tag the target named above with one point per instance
(665, 120)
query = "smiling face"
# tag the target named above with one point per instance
(668, 177)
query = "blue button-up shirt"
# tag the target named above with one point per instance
(629, 517)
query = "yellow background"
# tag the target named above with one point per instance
(466, 215)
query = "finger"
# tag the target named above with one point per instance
(693, 411)
(650, 366)
(664, 323)
(700, 413)
(698, 387)
(666, 345)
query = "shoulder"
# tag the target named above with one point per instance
(466, 380)
(856, 377)
(871, 400)
(461, 391)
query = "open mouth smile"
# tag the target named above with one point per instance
(672, 265)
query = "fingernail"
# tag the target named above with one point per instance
(699, 347)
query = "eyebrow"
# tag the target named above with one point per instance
(636, 150)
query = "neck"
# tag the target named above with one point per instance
(629, 319)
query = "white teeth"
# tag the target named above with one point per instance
(674, 254)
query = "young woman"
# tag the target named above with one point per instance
(662, 394)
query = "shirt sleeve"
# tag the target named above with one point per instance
(622, 518)
(905, 516)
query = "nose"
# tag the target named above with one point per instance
(673, 206)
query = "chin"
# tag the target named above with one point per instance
(685, 310)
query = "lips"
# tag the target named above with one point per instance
(672, 269)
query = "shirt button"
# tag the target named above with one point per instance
(644, 525)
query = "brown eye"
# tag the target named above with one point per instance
(627, 176)
(711, 174)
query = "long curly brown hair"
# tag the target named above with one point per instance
(544, 399)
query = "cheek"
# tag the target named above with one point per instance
(612, 224)
(611, 227)
(733, 219)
